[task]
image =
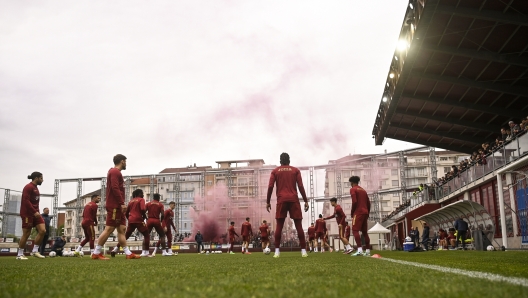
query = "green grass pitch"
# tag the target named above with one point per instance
(258, 275)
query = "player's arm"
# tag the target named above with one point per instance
(143, 209)
(162, 213)
(353, 194)
(127, 213)
(173, 226)
(94, 212)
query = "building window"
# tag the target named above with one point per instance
(185, 225)
(395, 203)
(421, 171)
(395, 194)
(395, 182)
(394, 172)
(209, 183)
(384, 204)
(346, 184)
(444, 159)
(447, 169)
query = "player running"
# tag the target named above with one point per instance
(231, 232)
(31, 218)
(167, 223)
(320, 233)
(287, 178)
(360, 214)
(264, 234)
(115, 209)
(136, 215)
(89, 221)
(155, 211)
(311, 238)
(340, 218)
(246, 233)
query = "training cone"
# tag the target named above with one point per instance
(376, 256)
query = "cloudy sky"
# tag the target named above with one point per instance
(171, 83)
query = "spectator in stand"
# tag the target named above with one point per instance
(509, 135)
(515, 128)
(47, 220)
(482, 158)
(416, 237)
(425, 237)
(504, 134)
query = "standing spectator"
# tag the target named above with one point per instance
(412, 234)
(515, 128)
(416, 237)
(58, 245)
(461, 227)
(47, 219)
(199, 239)
(425, 237)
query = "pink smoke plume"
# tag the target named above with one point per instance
(212, 214)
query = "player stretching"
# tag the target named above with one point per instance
(231, 232)
(340, 218)
(136, 215)
(311, 238)
(89, 221)
(29, 211)
(246, 233)
(360, 213)
(347, 234)
(167, 223)
(288, 179)
(264, 234)
(320, 234)
(155, 211)
(115, 209)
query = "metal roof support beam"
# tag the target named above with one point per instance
(468, 124)
(508, 18)
(483, 55)
(444, 134)
(515, 90)
(471, 106)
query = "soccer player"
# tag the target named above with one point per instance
(231, 232)
(136, 214)
(311, 238)
(155, 212)
(246, 233)
(340, 217)
(167, 223)
(264, 234)
(287, 178)
(89, 221)
(31, 218)
(347, 234)
(320, 233)
(360, 214)
(115, 208)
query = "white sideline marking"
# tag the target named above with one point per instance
(519, 281)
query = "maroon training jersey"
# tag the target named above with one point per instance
(246, 229)
(167, 219)
(231, 231)
(154, 209)
(287, 179)
(90, 213)
(339, 215)
(311, 231)
(115, 189)
(360, 201)
(320, 226)
(30, 200)
(136, 210)
(263, 230)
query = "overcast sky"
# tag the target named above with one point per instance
(171, 83)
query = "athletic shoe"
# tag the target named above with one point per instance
(367, 254)
(153, 254)
(358, 253)
(99, 257)
(304, 255)
(247, 253)
(331, 250)
(145, 255)
(21, 258)
(112, 253)
(231, 253)
(166, 254)
(38, 255)
(77, 254)
(348, 251)
(132, 256)
(276, 256)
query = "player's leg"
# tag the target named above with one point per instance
(43, 244)
(41, 230)
(302, 238)
(356, 227)
(364, 231)
(87, 236)
(348, 248)
(146, 239)
(168, 245)
(278, 234)
(23, 240)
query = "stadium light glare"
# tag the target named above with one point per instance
(411, 6)
(402, 45)
(391, 75)
(396, 57)
(384, 98)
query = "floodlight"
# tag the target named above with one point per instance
(402, 45)
(384, 98)
(411, 6)
(391, 75)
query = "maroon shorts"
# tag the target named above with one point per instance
(320, 236)
(115, 217)
(141, 227)
(29, 222)
(311, 238)
(264, 239)
(246, 238)
(294, 208)
(153, 223)
(231, 239)
(359, 223)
